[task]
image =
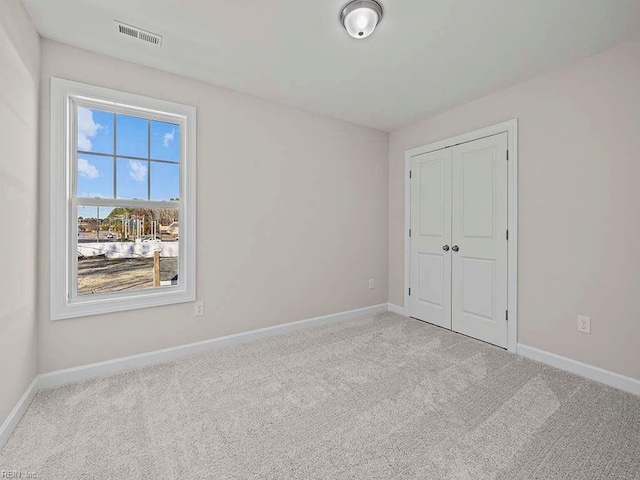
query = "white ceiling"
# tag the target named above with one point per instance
(425, 57)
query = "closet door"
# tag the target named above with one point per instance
(479, 242)
(430, 298)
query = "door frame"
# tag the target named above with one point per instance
(509, 127)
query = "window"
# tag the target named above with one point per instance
(123, 201)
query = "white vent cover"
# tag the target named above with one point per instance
(135, 32)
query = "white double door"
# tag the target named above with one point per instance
(459, 238)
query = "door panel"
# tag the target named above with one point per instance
(478, 194)
(479, 225)
(430, 279)
(430, 298)
(479, 287)
(431, 198)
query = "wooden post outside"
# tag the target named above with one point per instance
(156, 269)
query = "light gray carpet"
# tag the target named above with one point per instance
(379, 397)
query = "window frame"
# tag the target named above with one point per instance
(65, 97)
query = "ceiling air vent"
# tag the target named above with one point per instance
(135, 32)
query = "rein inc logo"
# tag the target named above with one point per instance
(17, 474)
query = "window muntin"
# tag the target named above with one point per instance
(142, 147)
(125, 248)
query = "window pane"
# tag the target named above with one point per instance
(132, 136)
(117, 247)
(95, 176)
(165, 141)
(133, 179)
(89, 228)
(165, 181)
(95, 130)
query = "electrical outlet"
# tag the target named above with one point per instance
(199, 311)
(584, 324)
(371, 284)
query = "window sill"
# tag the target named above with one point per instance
(100, 306)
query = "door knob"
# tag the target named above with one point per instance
(455, 248)
(446, 248)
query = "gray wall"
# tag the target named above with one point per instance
(579, 203)
(19, 80)
(292, 216)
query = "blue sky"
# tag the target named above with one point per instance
(133, 178)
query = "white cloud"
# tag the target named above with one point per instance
(168, 138)
(87, 129)
(137, 170)
(87, 170)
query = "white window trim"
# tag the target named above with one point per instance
(63, 226)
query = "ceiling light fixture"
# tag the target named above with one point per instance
(361, 17)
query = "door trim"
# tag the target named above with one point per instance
(509, 127)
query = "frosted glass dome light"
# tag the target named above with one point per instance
(361, 17)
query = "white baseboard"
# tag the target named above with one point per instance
(109, 367)
(397, 309)
(629, 384)
(16, 414)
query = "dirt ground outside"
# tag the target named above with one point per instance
(100, 275)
